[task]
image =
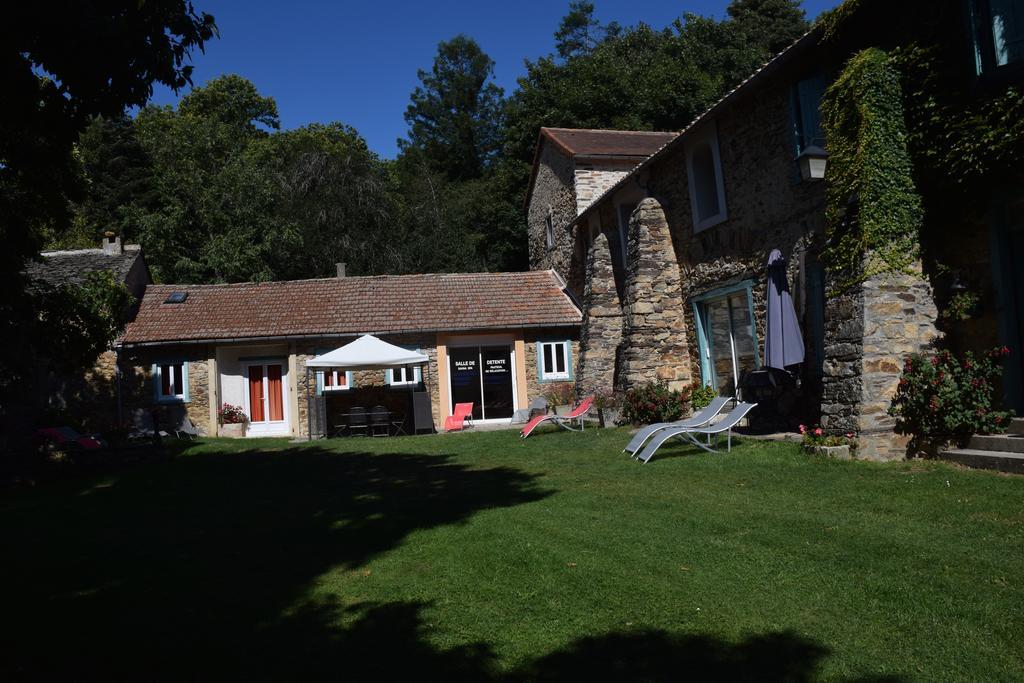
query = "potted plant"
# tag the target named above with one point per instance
(233, 421)
(607, 404)
(559, 396)
(833, 445)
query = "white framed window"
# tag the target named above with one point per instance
(549, 230)
(704, 171)
(404, 376)
(170, 381)
(998, 35)
(554, 361)
(335, 380)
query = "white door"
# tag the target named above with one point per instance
(266, 400)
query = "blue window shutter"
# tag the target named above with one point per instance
(809, 94)
(418, 374)
(568, 359)
(184, 380)
(389, 377)
(349, 379)
(319, 382)
(155, 376)
(540, 361)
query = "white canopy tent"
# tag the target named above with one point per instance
(366, 353)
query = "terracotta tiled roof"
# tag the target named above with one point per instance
(618, 143)
(353, 305)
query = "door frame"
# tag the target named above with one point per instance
(267, 427)
(705, 344)
(1011, 327)
(478, 342)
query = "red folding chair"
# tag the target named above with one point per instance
(457, 422)
(563, 421)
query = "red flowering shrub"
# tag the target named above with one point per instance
(943, 398)
(653, 402)
(229, 415)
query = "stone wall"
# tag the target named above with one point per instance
(594, 178)
(654, 329)
(602, 322)
(553, 191)
(137, 389)
(871, 331)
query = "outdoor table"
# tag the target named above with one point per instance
(397, 424)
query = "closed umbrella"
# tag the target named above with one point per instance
(783, 342)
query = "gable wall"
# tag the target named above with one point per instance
(553, 190)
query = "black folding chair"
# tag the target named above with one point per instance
(380, 418)
(357, 422)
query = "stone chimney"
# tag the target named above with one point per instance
(341, 269)
(112, 244)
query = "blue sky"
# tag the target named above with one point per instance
(356, 62)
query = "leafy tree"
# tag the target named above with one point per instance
(455, 116)
(771, 24)
(211, 161)
(119, 178)
(579, 32)
(335, 194)
(62, 64)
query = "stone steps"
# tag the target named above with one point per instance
(1002, 452)
(1001, 461)
(1010, 443)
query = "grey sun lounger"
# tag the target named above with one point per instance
(699, 419)
(723, 426)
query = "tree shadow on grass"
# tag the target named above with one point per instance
(200, 568)
(182, 563)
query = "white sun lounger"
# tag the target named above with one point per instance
(699, 419)
(723, 426)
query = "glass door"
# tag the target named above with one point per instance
(483, 376)
(264, 397)
(731, 348)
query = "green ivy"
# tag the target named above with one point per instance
(874, 212)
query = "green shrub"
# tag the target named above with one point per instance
(559, 394)
(943, 399)
(701, 395)
(653, 402)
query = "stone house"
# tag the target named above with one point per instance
(682, 297)
(571, 169)
(86, 398)
(493, 339)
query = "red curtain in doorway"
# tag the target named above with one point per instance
(256, 393)
(274, 395)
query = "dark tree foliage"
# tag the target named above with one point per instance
(119, 182)
(62, 64)
(645, 79)
(771, 24)
(579, 32)
(455, 116)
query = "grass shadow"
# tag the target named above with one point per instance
(194, 560)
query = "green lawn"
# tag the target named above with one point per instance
(482, 557)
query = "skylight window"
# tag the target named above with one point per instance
(176, 298)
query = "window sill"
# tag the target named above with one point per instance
(552, 380)
(171, 400)
(709, 223)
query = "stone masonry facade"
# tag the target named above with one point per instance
(553, 195)
(871, 330)
(639, 315)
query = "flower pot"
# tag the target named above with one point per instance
(233, 431)
(841, 452)
(608, 417)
